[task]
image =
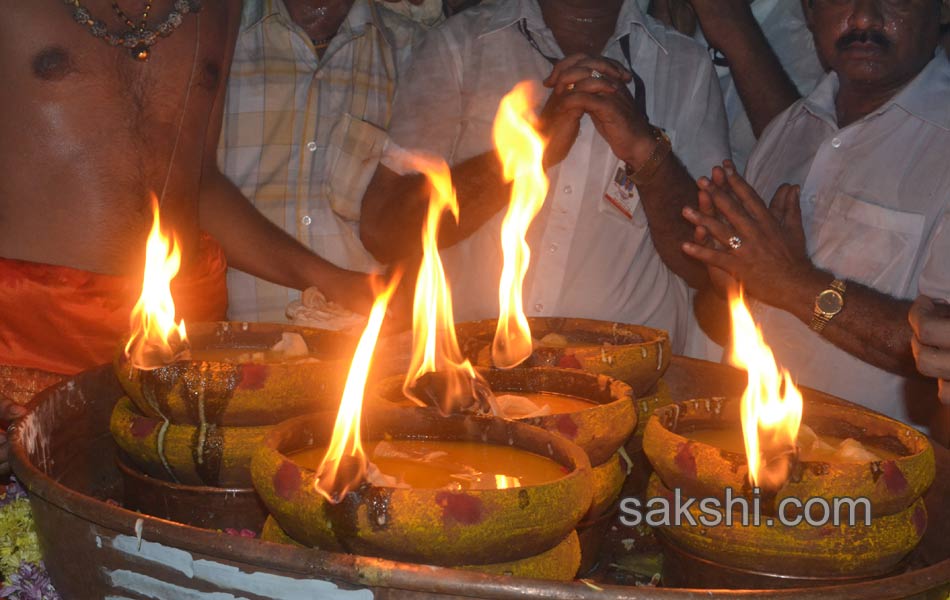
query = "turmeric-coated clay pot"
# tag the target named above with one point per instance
(634, 354)
(430, 526)
(237, 379)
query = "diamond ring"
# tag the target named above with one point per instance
(596, 74)
(735, 242)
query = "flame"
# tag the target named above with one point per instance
(343, 467)
(435, 346)
(521, 150)
(156, 339)
(771, 407)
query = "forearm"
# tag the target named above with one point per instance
(663, 199)
(255, 245)
(763, 85)
(395, 206)
(872, 326)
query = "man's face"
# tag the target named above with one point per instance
(878, 43)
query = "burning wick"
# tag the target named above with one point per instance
(345, 464)
(156, 340)
(521, 150)
(771, 407)
(438, 375)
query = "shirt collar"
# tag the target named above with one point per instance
(511, 12)
(925, 97)
(361, 15)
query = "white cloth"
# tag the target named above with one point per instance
(875, 199)
(587, 259)
(784, 27)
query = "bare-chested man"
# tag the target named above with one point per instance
(88, 131)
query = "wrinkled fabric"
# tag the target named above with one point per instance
(63, 320)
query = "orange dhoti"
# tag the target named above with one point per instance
(56, 321)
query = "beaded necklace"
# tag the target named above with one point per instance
(139, 38)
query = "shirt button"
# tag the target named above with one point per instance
(553, 247)
(836, 143)
(306, 220)
(538, 307)
(312, 146)
(568, 189)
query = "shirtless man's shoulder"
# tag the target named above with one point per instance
(88, 132)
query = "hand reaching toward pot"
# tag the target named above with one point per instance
(931, 343)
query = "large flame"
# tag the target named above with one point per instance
(156, 339)
(435, 346)
(771, 406)
(344, 466)
(521, 150)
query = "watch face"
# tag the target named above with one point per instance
(830, 301)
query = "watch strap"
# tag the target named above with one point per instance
(648, 170)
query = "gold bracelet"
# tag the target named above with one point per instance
(649, 169)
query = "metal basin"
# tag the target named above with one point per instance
(63, 453)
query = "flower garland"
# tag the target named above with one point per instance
(21, 564)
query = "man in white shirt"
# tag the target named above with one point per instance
(626, 79)
(835, 273)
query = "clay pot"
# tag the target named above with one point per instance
(634, 354)
(248, 393)
(429, 526)
(195, 505)
(560, 563)
(803, 550)
(607, 480)
(701, 470)
(220, 457)
(598, 430)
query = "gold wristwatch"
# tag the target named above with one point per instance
(828, 304)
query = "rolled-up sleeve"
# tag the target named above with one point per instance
(935, 276)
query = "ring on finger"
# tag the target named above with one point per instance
(735, 242)
(596, 74)
(569, 87)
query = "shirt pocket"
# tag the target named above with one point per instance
(353, 153)
(870, 244)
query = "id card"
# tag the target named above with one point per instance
(622, 197)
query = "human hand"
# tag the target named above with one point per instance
(767, 255)
(9, 411)
(573, 85)
(931, 344)
(350, 289)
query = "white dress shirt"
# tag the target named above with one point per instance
(588, 260)
(875, 198)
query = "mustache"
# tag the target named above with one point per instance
(856, 36)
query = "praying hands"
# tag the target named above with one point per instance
(739, 238)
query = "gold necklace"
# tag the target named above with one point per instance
(140, 38)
